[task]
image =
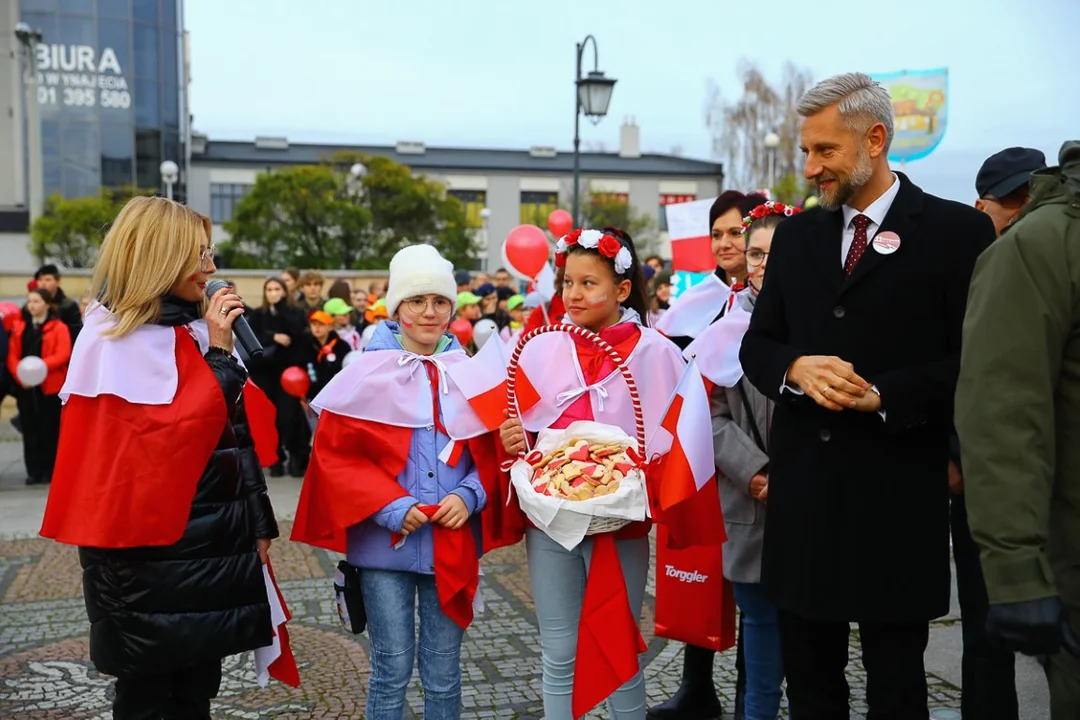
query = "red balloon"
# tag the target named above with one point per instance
(462, 330)
(560, 222)
(526, 248)
(8, 308)
(295, 382)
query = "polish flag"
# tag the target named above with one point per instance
(690, 464)
(482, 380)
(276, 660)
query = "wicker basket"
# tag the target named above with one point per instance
(597, 525)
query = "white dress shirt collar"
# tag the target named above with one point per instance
(876, 210)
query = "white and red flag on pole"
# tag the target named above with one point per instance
(276, 659)
(689, 464)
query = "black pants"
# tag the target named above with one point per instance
(181, 695)
(816, 653)
(988, 674)
(293, 433)
(39, 415)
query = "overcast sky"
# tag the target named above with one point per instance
(497, 73)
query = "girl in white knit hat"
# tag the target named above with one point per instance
(393, 485)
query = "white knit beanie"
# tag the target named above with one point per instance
(419, 270)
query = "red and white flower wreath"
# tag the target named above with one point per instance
(769, 207)
(607, 245)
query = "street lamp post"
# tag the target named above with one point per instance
(170, 173)
(29, 38)
(592, 95)
(772, 142)
(485, 215)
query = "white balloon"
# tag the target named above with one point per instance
(365, 337)
(31, 371)
(482, 330)
(351, 358)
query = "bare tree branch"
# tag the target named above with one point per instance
(739, 127)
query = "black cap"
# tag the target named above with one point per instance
(462, 277)
(485, 290)
(1008, 170)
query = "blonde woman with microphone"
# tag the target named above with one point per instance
(156, 479)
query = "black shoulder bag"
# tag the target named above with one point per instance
(350, 598)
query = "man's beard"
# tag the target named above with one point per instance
(847, 187)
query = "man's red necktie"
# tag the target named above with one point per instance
(858, 245)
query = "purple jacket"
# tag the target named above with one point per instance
(427, 481)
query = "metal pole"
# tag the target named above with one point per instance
(168, 189)
(577, 137)
(36, 201)
(772, 168)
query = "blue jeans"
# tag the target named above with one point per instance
(558, 580)
(761, 651)
(390, 600)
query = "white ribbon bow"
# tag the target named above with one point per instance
(418, 360)
(569, 396)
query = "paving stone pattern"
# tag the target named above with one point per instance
(45, 670)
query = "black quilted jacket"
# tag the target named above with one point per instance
(157, 609)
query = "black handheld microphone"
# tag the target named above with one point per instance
(240, 327)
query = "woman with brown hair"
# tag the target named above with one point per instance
(279, 327)
(39, 333)
(156, 479)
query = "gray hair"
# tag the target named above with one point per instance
(861, 100)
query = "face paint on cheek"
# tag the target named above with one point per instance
(407, 322)
(597, 301)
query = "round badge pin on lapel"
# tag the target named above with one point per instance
(886, 243)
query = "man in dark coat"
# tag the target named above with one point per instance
(856, 335)
(48, 278)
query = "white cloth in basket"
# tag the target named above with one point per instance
(567, 521)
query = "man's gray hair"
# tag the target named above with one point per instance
(861, 100)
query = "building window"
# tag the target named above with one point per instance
(474, 201)
(223, 200)
(609, 198)
(536, 206)
(666, 200)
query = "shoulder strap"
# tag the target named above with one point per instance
(750, 414)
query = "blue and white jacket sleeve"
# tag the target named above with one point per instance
(470, 489)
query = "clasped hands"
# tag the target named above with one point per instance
(452, 514)
(833, 384)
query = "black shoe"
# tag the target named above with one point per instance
(691, 702)
(277, 470)
(297, 465)
(696, 698)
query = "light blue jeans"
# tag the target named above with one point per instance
(390, 600)
(558, 585)
(761, 651)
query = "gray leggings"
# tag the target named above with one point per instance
(558, 585)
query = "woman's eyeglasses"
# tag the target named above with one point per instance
(207, 255)
(755, 257)
(418, 305)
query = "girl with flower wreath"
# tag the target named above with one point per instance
(588, 599)
(741, 420)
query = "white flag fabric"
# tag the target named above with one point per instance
(716, 348)
(692, 311)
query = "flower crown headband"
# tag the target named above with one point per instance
(607, 245)
(769, 207)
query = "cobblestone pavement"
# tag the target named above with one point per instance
(45, 671)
